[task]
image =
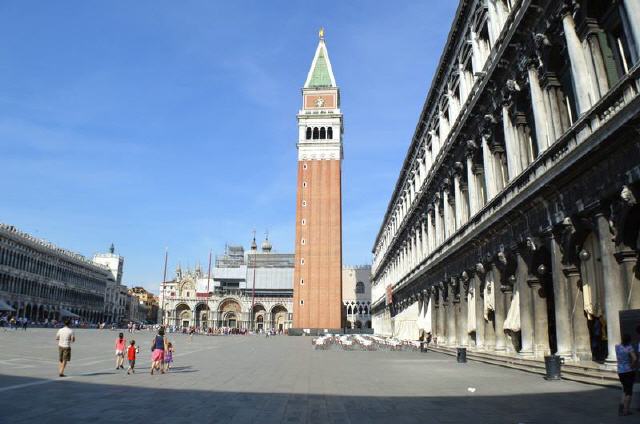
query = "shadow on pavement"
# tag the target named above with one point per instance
(71, 400)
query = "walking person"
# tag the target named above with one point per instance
(120, 346)
(168, 356)
(132, 350)
(25, 323)
(626, 357)
(158, 348)
(65, 337)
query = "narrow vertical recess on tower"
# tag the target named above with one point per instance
(317, 303)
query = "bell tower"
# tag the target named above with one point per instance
(317, 293)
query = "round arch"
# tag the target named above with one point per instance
(183, 315)
(230, 312)
(259, 316)
(279, 315)
(202, 315)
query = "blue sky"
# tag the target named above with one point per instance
(154, 124)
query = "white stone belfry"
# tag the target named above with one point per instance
(320, 119)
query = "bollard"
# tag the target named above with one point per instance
(553, 366)
(461, 355)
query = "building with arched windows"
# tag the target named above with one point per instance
(41, 281)
(513, 228)
(356, 296)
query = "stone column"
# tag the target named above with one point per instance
(498, 162)
(500, 312)
(489, 169)
(477, 57)
(431, 235)
(578, 320)
(418, 247)
(442, 318)
(526, 305)
(463, 90)
(457, 200)
(479, 300)
(473, 190)
(541, 323)
(503, 12)
(613, 290)
(452, 320)
(448, 228)
(442, 234)
(489, 322)
(423, 236)
(463, 336)
(438, 221)
(561, 293)
(523, 137)
(444, 127)
(595, 61)
(540, 117)
(464, 196)
(556, 107)
(512, 146)
(434, 310)
(435, 145)
(454, 106)
(632, 7)
(507, 291)
(579, 69)
(494, 23)
(628, 260)
(420, 235)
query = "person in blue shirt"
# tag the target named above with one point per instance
(626, 356)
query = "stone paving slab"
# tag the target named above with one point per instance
(249, 379)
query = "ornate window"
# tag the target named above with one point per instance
(308, 133)
(323, 133)
(330, 133)
(359, 287)
(316, 133)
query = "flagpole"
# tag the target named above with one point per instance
(253, 291)
(164, 278)
(209, 274)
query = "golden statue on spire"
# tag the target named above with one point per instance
(321, 33)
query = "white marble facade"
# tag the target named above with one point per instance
(515, 216)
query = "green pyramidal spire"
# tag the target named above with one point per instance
(320, 74)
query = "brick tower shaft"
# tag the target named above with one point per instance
(317, 293)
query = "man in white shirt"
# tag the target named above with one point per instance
(64, 337)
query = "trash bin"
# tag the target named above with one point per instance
(553, 365)
(461, 355)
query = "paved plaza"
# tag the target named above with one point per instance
(246, 379)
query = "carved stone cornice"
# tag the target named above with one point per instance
(471, 148)
(458, 170)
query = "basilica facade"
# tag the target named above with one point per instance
(245, 290)
(514, 224)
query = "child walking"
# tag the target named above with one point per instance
(120, 345)
(131, 355)
(168, 357)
